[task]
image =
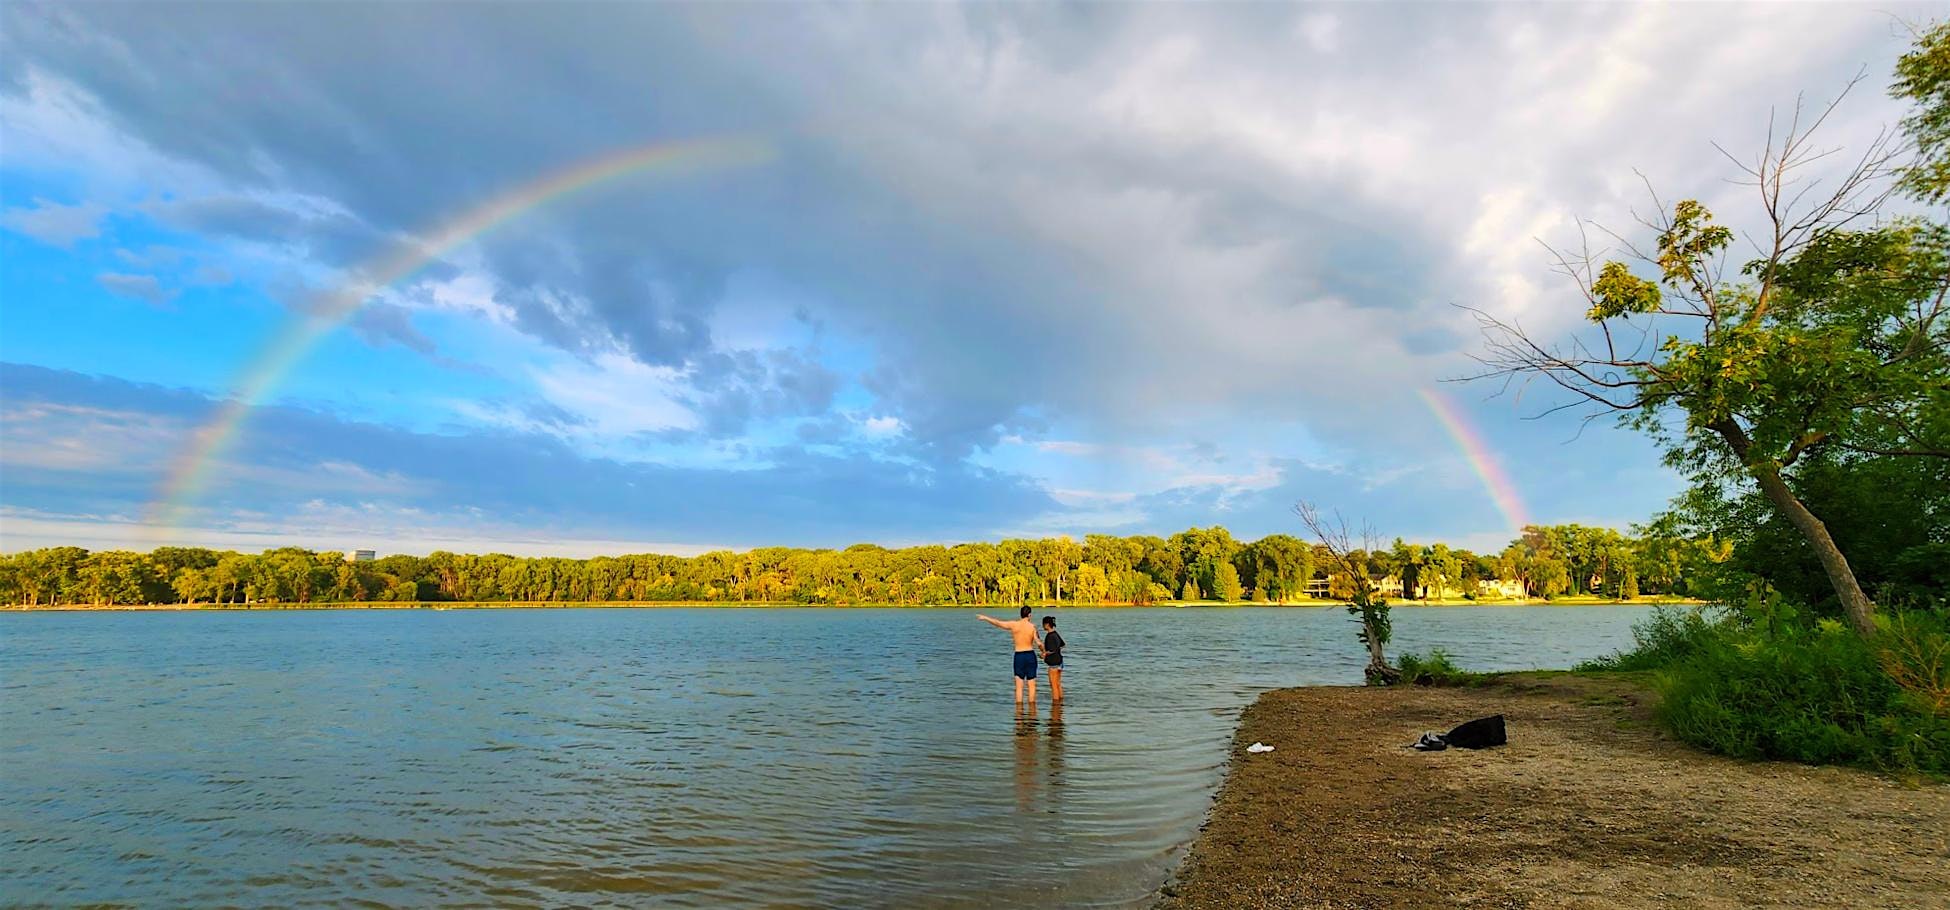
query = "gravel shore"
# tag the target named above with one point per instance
(1589, 806)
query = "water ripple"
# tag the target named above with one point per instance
(684, 758)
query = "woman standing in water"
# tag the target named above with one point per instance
(1053, 656)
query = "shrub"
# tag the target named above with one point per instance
(1764, 681)
(1664, 638)
(1915, 651)
(1817, 695)
(1437, 669)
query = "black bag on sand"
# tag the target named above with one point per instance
(1477, 734)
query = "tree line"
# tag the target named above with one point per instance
(1198, 564)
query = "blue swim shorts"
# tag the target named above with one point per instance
(1026, 664)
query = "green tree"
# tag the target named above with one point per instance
(1202, 551)
(1923, 77)
(1443, 569)
(1274, 567)
(1134, 587)
(1226, 586)
(114, 577)
(1833, 338)
(1091, 585)
(1277, 566)
(1407, 561)
(193, 586)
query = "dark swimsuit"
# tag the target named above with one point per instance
(1053, 649)
(1025, 665)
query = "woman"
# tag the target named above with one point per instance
(1053, 656)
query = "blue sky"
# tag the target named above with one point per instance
(1005, 270)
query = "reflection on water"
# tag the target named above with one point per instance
(842, 758)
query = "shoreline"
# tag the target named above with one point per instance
(718, 605)
(1588, 806)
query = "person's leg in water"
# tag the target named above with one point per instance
(1055, 684)
(1025, 670)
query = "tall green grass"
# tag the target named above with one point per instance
(1437, 668)
(1771, 684)
(1664, 638)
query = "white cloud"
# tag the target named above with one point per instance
(1321, 31)
(62, 437)
(883, 426)
(616, 395)
(1136, 232)
(320, 526)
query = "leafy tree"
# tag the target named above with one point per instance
(1277, 566)
(1012, 572)
(1833, 338)
(119, 577)
(1226, 586)
(1134, 587)
(1202, 551)
(1923, 77)
(1160, 561)
(193, 586)
(1443, 569)
(1092, 586)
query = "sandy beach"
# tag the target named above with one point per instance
(1588, 806)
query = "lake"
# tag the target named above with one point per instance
(650, 757)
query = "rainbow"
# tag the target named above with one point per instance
(190, 472)
(1481, 460)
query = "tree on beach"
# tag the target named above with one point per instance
(1832, 340)
(1364, 599)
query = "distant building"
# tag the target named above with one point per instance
(360, 556)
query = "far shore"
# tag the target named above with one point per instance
(709, 604)
(1588, 806)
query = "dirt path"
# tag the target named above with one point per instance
(1587, 807)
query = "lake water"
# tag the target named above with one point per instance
(665, 757)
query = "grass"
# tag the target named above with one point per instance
(1791, 688)
(1663, 639)
(1437, 668)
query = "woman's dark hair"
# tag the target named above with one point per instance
(1049, 621)
(1025, 612)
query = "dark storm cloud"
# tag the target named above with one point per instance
(1146, 218)
(365, 106)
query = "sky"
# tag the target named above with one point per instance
(600, 278)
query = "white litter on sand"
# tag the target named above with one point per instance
(1259, 747)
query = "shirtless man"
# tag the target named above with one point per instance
(1024, 633)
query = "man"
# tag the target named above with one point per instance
(1024, 633)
